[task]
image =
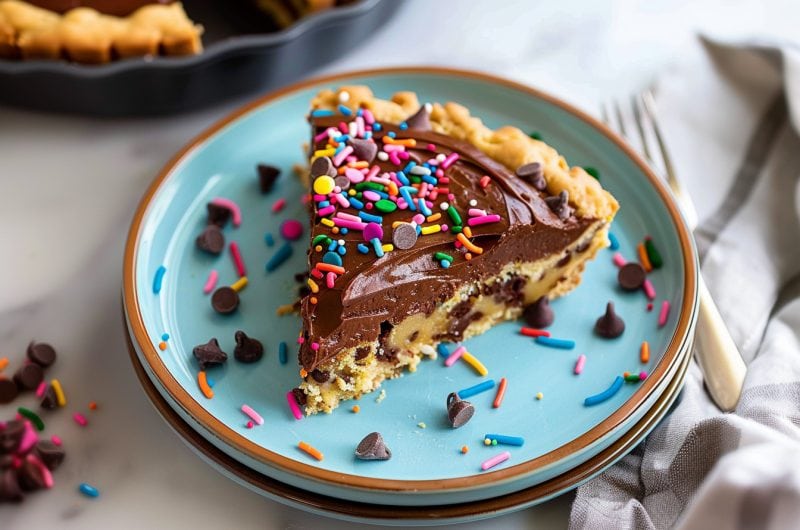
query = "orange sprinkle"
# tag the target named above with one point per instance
(329, 267)
(468, 244)
(303, 373)
(335, 229)
(342, 169)
(203, 383)
(644, 353)
(408, 142)
(501, 392)
(310, 450)
(625, 374)
(162, 345)
(467, 256)
(467, 231)
(3, 363)
(392, 189)
(360, 164)
(643, 259)
(92, 405)
(356, 409)
(318, 248)
(313, 300)
(464, 449)
(434, 217)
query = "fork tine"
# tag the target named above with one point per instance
(669, 169)
(604, 115)
(638, 118)
(620, 119)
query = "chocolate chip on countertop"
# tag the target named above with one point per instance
(372, 447)
(631, 276)
(209, 354)
(11, 436)
(459, 411)
(211, 240)
(29, 376)
(225, 300)
(247, 350)
(610, 325)
(218, 215)
(533, 173)
(267, 175)
(49, 453)
(8, 390)
(9, 486)
(49, 399)
(539, 314)
(41, 353)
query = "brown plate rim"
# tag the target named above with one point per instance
(241, 444)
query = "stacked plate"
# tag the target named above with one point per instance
(429, 477)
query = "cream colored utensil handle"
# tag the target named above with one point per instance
(719, 358)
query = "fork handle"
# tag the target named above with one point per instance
(719, 358)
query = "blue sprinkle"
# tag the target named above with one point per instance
(339, 149)
(403, 126)
(605, 394)
(364, 249)
(367, 135)
(323, 204)
(613, 241)
(370, 218)
(411, 165)
(419, 229)
(321, 113)
(165, 337)
(506, 440)
(476, 389)
(424, 207)
(281, 255)
(360, 112)
(268, 239)
(402, 178)
(444, 264)
(332, 258)
(210, 382)
(391, 134)
(355, 203)
(282, 356)
(343, 230)
(442, 350)
(158, 279)
(382, 194)
(377, 127)
(88, 490)
(376, 245)
(341, 250)
(343, 138)
(333, 244)
(429, 179)
(564, 344)
(346, 111)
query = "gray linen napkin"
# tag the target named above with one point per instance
(731, 117)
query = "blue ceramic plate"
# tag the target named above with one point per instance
(427, 466)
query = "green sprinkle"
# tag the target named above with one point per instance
(321, 239)
(592, 171)
(385, 206)
(535, 135)
(369, 186)
(415, 179)
(653, 254)
(632, 378)
(455, 229)
(33, 417)
(442, 256)
(494, 442)
(454, 216)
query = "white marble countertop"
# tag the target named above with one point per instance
(69, 185)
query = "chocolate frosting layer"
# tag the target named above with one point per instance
(118, 8)
(375, 294)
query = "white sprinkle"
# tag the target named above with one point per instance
(341, 242)
(420, 170)
(383, 157)
(473, 202)
(428, 107)
(444, 206)
(427, 349)
(344, 96)
(421, 425)
(440, 157)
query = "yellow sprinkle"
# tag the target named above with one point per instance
(432, 229)
(434, 217)
(326, 221)
(60, 398)
(239, 284)
(388, 247)
(313, 285)
(475, 363)
(539, 395)
(323, 152)
(351, 192)
(422, 425)
(467, 231)
(487, 441)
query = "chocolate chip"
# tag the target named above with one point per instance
(363, 149)
(361, 352)
(218, 215)
(29, 376)
(539, 314)
(404, 236)
(11, 436)
(319, 376)
(299, 396)
(41, 353)
(372, 447)
(341, 181)
(211, 240)
(49, 399)
(420, 120)
(8, 390)
(209, 354)
(560, 205)
(225, 300)
(267, 175)
(9, 486)
(610, 325)
(49, 453)
(631, 276)
(323, 166)
(247, 350)
(533, 173)
(30, 476)
(459, 412)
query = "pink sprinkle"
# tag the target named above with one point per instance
(315, 346)
(211, 282)
(403, 155)
(316, 273)
(618, 260)
(368, 117)
(56, 440)
(329, 279)
(293, 405)
(278, 205)
(29, 439)
(249, 424)
(80, 419)
(338, 159)
(450, 196)
(664, 314)
(394, 159)
(444, 228)
(47, 477)
(324, 212)
(230, 205)
(450, 160)
(495, 460)
(371, 195)
(485, 180)
(291, 229)
(393, 148)
(418, 218)
(440, 175)
(348, 216)
(252, 414)
(642, 376)
(649, 290)
(373, 172)
(353, 175)
(343, 202)
(430, 147)
(579, 364)
(320, 198)
(321, 136)
(343, 127)
(482, 220)
(237, 259)
(476, 212)
(300, 340)
(456, 355)
(40, 390)
(360, 126)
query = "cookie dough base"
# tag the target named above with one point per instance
(350, 378)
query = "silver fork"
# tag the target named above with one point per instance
(719, 358)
